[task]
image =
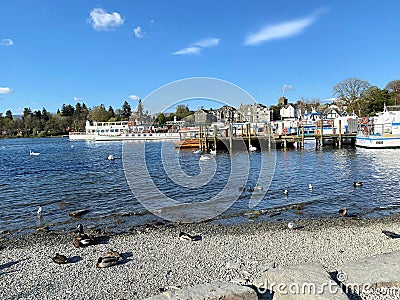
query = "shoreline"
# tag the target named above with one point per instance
(156, 260)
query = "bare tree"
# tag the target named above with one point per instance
(394, 87)
(349, 93)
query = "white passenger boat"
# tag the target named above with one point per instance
(123, 130)
(383, 131)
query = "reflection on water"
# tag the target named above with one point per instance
(64, 178)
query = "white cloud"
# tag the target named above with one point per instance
(207, 43)
(188, 51)
(78, 99)
(138, 31)
(6, 42)
(5, 90)
(101, 20)
(134, 97)
(287, 87)
(198, 46)
(278, 31)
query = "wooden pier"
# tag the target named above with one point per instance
(211, 138)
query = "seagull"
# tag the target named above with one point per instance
(259, 187)
(343, 212)
(39, 212)
(213, 152)
(31, 153)
(291, 225)
(197, 151)
(110, 157)
(357, 183)
(286, 192)
(252, 148)
(310, 187)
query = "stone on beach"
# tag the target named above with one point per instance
(210, 291)
(308, 281)
(372, 272)
(78, 213)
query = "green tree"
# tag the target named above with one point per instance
(111, 113)
(9, 115)
(67, 110)
(375, 99)
(160, 119)
(393, 87)
(98, 113)
(182, 111)
(127, 110)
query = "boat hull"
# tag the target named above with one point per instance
(385, 141)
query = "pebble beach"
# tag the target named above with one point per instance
(154, 259)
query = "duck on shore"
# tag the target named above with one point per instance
(60, 259)
(82, 239)
(343, 212)
(107, 261)
(112, 253)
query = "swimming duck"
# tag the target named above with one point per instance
(286, 192)
(310, 187)
(357, 183)
(251, 189)
(60, 259)
(204, 157)
(259, 187)
(82, 239)
(31, 153)
(110, 157)
(105, 262)
(213, 152)
(252, 148)
(112, 253)
(197, 151)
(39, 212)
(343, 212)
(186, 237)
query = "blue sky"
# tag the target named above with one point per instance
(55, 52)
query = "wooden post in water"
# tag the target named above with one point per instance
(340, 134)
(205, 140)
(215, 137)
(302, 136)
(248, 133)
(322, 132)
(200, 143)
(269, 135)
(230, 138)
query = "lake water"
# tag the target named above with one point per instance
(69, 176)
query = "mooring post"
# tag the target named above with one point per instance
(248, 133)
(340, 133)
(269, 135)
(230, 137)
(215, 137)
(302, 136)
(322, 132)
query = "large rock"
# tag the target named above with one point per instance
(371, 272)
(211, 291)
(308, 281)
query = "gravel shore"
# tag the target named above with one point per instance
(154, 259)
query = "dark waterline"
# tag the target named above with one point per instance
(69, 176)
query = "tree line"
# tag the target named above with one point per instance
(73, 118)
(352, 95)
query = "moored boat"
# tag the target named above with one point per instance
(383, 131)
